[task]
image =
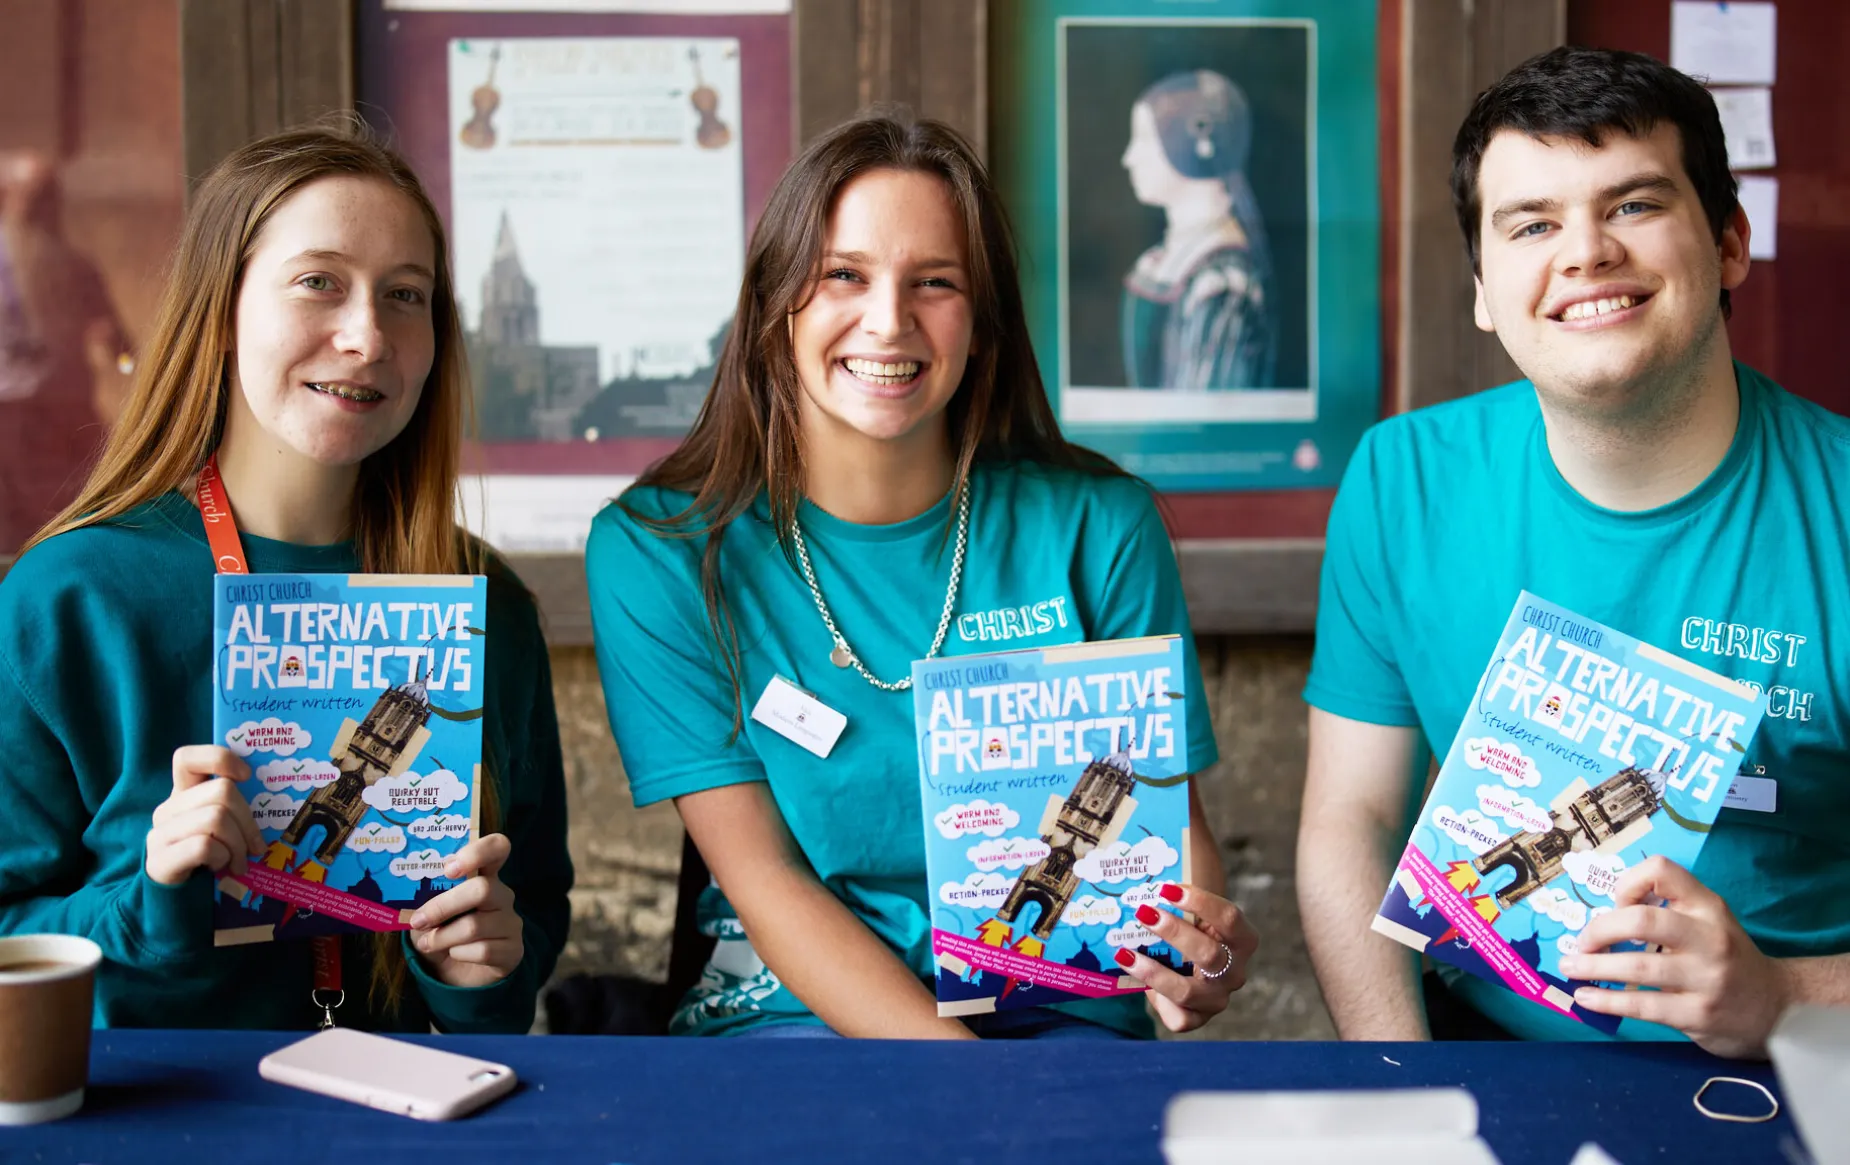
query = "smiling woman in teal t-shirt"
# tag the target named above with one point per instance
(876, 477)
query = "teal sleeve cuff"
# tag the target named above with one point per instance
(1388, 713)
(169, 922)
(698, 780)
(503, 1008)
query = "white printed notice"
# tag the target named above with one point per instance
(1725, 42)
(1760, 201)
(1747, 120)
(598, 226)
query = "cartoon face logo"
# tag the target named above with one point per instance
(1552, 706)
(995, 749)
(292, 665)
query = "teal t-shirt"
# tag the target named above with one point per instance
(1446, 513)
(1054, 556)
(105, 669)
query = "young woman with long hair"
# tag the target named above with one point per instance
(308, 340)
(876, 476)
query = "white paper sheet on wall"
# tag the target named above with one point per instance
(1760, 199)
(540, 513)
(1725, 42)
(1747, 119)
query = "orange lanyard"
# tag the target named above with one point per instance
(228, 556)
(221, 526)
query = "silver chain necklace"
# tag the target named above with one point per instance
(843, 655)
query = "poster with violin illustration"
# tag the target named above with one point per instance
(597, 220)
(599, 165)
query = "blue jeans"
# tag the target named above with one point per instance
(1026, 1023)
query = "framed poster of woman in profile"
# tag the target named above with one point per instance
(1201, 306)
(1198, 193)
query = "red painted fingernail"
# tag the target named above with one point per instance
(1146, 914)
(1125, 958)
(1171, 892)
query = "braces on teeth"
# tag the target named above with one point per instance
(360, 395)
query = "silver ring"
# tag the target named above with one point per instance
(1225, 966)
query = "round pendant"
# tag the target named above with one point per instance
(841, 657)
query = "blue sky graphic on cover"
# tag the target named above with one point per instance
(1584, 752)
(1054, 784)
(357, 702)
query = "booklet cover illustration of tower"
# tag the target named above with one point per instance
(357, 701)
(1584, 751)
(1055, 792)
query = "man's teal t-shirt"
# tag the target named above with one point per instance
(1054, 556)
(1446, 513)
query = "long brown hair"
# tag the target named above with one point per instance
(745, 441)
(404, 505)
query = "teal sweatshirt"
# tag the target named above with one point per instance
(106, 669)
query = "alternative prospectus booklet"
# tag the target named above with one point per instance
(357, 700)
(1583, 752)
(1055, 789)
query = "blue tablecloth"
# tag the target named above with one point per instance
(195, 1097)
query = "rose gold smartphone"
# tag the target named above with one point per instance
(390, 1075)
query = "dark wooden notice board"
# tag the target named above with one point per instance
(1789, 317)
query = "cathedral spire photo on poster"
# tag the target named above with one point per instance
(525, 390)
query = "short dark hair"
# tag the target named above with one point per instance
(1588, 93)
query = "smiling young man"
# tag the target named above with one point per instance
(1640, 477)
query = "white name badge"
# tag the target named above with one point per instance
(799, 717)
(1754, 794)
